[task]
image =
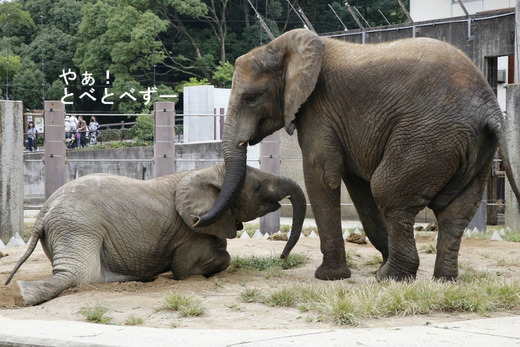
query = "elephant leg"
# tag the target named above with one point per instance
(72, 266)
(325, 202)
(204, 255)
(369, 213)
(36, 292)
(452, 220)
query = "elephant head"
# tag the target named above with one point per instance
(270, 83)
(259, 195)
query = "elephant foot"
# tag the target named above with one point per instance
(386, 272)
(331, 273)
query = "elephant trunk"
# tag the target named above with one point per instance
(235, 161)
(299, 205)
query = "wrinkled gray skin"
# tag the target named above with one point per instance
(405, 125)
(105, 228)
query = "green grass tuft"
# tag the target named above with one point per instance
(256, 263)
(185, 306)
(95, 313)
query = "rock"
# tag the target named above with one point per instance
(244, 236)
(278, 237)
(258, 234)
(356, 238)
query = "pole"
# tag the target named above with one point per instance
(54, 156)
(43, 63)
(164, 139)
(354, 15)
(344, 26)
(8, 46)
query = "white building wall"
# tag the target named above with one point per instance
(423, 10)
(208, 100)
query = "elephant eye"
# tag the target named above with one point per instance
(251, 98)
(257, 186)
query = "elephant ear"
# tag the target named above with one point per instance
(302, 51)
(195, 195)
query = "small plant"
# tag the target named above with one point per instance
(219, 284)
(250, 295)
(95, 313)
(184, 305)
(374, 260)
(428, 249)
(284, 297)
(255, 263)
(133, 320)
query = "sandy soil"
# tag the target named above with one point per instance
(220, 295)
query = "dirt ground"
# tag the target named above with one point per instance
(220, 295)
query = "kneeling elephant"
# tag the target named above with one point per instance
(105, 228)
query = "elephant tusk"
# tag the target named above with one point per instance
(287, 197)
(195, 220)
(241, 144)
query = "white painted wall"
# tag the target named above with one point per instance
(208, 100)
(423, 10)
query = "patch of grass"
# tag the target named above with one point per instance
(342, 305)
(374, 260)
(95, 313)
(256, 263)
(510, 235)
(27, 230)
(250, 295)
(428, 249)
(281, 297)
(185, 306)
(133, 320)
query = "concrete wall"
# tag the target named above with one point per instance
(135, 162)
(11, 184)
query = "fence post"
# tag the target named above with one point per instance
(512, 213)
(164, 138)
(11, 169)
(270, 162)
(54, 151)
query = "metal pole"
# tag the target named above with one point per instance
(387, 21)
(344, 26)
(364, 20)
(309, 25)
(405, 11)
(54, 156)
(463, 8)
(354, 15)
(262, 23)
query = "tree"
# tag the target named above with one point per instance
(27, 84)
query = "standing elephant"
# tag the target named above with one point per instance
(105, 228)
(405, 125)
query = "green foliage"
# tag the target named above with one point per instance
(223, 75)
(14, 67)
(343, 305)
(256, 263)
(133, 320)
(95, 313)
(27, 84)
(142, 130)
(190, 8)
(196, 41)
(185, 306)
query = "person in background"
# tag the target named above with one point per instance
(81, 137)
(93, 128)
(32, 136)
(73, 122)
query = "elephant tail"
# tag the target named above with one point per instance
(500, 132)
(38, 233)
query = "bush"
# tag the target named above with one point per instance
(142, 130)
